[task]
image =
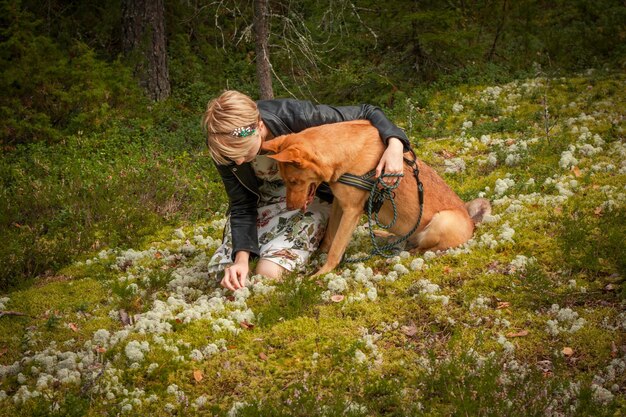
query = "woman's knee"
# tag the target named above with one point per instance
(269, 269)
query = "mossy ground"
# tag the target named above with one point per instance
(475, 337)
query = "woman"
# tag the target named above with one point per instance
(260, 224)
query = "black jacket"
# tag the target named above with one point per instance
(283, 116)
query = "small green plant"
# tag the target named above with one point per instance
(52, 322)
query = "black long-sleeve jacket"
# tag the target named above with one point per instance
(284, 116)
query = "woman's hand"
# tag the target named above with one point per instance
(235, 276)
(392, 161)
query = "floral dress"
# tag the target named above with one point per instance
(286, 237)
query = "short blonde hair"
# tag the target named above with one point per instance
(230, 111)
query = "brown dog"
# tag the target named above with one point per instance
(324, 153)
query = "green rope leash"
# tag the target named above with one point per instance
(380, 192)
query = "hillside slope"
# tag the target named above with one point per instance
(525, 319)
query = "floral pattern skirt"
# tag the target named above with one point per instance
(286, 237)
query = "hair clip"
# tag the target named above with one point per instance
(245, 131)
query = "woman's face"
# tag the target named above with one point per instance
(258, 139)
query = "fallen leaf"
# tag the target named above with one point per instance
(246, 325)
(73, 327)
(447, 270)
(337, 298)
(100, 349)
(158, 255)
(409, 330)
(521, 333)
(568, 351)
(124, 317)
(197, 375)
(503, 304)
(576, 172)
(263, 356)
(558, 210)
(598, 211)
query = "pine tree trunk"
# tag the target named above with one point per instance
(143, 42)
(261, 34)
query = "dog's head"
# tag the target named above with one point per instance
(298, 168)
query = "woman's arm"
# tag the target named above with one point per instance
(243, 212)
(283, 116)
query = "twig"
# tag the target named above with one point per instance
(13, 313)
(89, 384)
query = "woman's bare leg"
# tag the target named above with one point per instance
(269, 269)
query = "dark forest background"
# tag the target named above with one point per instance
(101, 100)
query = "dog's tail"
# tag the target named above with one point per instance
(478, 209)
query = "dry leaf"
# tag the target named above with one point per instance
(100, 349)
(263, 356)
(558, 210)
(124, 317)
(447, 154)
(447, 270)
(521, 333)
(197, 375)
(409, 330)
(73, 327)
(246, 325)
(598, 211)
(503, 304)
(158, 255)
(576, 172)
(337, 298)
(568, 351)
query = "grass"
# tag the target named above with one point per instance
(527, 322)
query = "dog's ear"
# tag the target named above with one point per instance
(288, 155)
(273, 145)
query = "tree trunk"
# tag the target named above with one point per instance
(143, 42)
(261, 35)
(499, 30)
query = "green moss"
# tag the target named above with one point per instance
(443, 353)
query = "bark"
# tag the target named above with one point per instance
(261, 35)
(143, 42)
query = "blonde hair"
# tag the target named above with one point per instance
(224, 114)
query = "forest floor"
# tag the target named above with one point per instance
(526, 319)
